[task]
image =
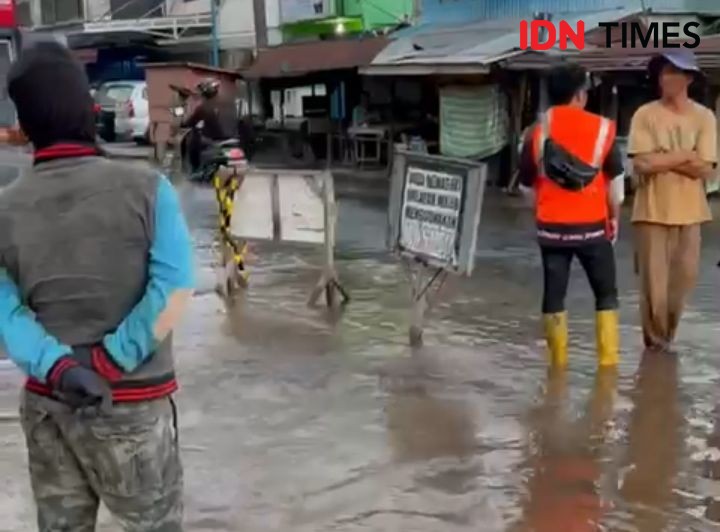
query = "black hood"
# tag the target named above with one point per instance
(51, 94)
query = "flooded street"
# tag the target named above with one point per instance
(293, 420)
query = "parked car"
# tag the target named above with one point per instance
(123, 111)
(16, 160)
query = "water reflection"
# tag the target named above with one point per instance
(711, 472)
(422, 425)
(655, 444)
(563, 492)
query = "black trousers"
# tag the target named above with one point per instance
(598, 261)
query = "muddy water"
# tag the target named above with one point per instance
(319, 422)
(294, 420)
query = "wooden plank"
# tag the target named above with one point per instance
(301, 210)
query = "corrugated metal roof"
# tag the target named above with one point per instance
(598, 59)
(294, 60)
(459, 11)
(480, 44)
(448, 41)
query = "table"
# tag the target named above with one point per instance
(362, 137)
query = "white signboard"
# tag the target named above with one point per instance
(430, 216)
(252, 215)
(295, 10)
(287, 206)
(302, 216)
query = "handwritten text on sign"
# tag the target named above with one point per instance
(431, 213)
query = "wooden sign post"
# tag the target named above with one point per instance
(435, 206)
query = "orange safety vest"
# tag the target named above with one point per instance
(567, 216)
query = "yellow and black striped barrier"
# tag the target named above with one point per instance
(225, 188)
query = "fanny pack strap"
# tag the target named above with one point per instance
(599, 141)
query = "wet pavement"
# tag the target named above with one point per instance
(294, 420)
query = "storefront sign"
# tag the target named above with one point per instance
(435, 209)
(296, 10)
(7, 14)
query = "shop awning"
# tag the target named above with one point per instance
(295, 60)
(470, 48)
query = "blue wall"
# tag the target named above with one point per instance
(121, 64)
(455, 11)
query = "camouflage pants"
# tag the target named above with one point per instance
(129, 460)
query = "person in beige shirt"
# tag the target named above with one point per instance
(673, 145)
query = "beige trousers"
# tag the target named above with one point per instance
(668, 258)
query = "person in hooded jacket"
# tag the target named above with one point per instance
(95, 270)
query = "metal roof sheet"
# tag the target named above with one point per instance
(615, 58)
(294, 60)
(480, 43)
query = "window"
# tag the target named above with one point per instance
(24, 16)
(55, 11)
(112, 92)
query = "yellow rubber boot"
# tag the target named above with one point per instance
(556, 335)
(608, 340)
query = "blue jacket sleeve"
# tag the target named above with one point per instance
(170, 283)
(26, 342)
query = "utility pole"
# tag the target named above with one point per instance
(261, 36)
(215, 40)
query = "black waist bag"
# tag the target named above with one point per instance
(566, 170)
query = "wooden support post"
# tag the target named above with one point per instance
(417, 315)
(329, 281)
(543, 103)
(329, 149)
(614, 103)
(517, 108)
(422, 285)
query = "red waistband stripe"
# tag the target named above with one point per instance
(60, 151)
(120, 395)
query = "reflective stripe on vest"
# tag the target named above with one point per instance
(600, 142)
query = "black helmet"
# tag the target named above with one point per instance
(208, 87)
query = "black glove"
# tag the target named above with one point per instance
(79, 387)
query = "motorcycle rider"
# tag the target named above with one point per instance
(219, 119)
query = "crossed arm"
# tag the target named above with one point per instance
(650, 159)
(684, 162)
(169, 288)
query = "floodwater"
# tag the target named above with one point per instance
(299, 420)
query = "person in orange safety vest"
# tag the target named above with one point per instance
(568, 162)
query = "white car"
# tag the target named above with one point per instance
(130, 100)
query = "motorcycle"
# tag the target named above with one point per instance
(223, 164)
